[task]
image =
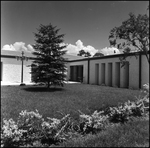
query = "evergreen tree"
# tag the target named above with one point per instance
(49, 65)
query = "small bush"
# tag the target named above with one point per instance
(93, 123)
(31, 129)
(11, 135)
(136, 108)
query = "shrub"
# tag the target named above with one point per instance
(31, 122)
(32, 130)
(139, 107)
(11, 134)
(93, 123)
(145, 100)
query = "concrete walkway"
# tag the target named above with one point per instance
(29, 83)
(15, 83)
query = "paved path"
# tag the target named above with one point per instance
(28, 83)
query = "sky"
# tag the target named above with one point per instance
(86, 24)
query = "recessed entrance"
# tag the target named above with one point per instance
(76, 73)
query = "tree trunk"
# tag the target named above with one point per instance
(48, 84)
(147, 58)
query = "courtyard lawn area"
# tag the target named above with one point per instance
(135, 133)
(67, 100)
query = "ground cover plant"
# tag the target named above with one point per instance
(31, 129)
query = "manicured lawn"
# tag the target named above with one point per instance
(67, 99)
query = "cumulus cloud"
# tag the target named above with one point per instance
(110, 51)
(71, 49)
(30, 48)
(79, 44)
(8, 47)
(18, 46)
(74, 49)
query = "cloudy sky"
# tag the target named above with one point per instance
(86, 24)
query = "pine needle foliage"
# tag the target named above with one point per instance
(49, 66)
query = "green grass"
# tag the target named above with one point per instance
(67, 99)
(132, 134)
(70, 99)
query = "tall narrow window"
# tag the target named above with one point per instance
(103, 73)
(117, 74)
(75, 74)
(97, 74)
(80, 73)
(71, 73)
(126, 76)
(109, 74)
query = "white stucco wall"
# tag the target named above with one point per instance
(11, 70)
(133, 72)
(115, 75)
(107, 70)
(144, 71)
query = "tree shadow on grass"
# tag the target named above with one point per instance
(43, 89)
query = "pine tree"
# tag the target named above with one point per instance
(49, 65)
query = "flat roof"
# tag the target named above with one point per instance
(13, 54)
(72, 58)
(109, 56)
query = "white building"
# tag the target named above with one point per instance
(11, 67)
(105, 70)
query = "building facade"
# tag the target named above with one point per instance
(105, 70)
(11, 68)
